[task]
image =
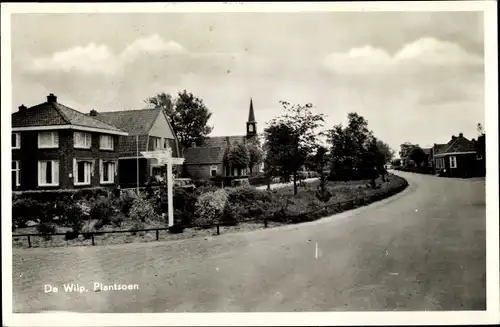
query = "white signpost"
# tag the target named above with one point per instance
(164, 157)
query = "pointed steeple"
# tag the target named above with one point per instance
(251, 115)
(251, 123)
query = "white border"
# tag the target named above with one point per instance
(490, 316)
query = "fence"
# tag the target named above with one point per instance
(338, 206)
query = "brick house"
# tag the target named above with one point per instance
(56, 147)
(207, 161)
(457, 158)
(148, 131)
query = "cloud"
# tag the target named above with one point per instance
(423, 52)
(94, 58)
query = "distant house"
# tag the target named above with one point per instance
(428, 157)
(457, 158)
(207, 161)
(148, 131)
(56, 147)
(481, 155)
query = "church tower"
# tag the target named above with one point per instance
(251, 123)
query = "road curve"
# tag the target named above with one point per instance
(422, 249)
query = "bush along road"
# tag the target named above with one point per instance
(97, 219)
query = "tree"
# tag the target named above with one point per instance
(187, 115)
(480, 129)
(418, 155)
(238, 156)
(296, 130)
(256, 155)
(354, 149)
(321, 160)
(385, 150)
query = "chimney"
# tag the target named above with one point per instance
(460, 135)
(22, 108)
(93, 113)
(51, 98)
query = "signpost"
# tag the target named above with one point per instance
(164, 157)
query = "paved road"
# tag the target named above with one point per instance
(423, 249)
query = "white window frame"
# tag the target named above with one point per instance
(213, 168)
(453, 162)
(55, 140)
(18, 140)
(101, 142)
(55, 173)
(87, 137)
(17, 170)
(75, 172)
(156, 143)
(112, 175)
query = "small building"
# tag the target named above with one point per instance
(149, 133)
(207, 161)
(457, 158)
(57, 147)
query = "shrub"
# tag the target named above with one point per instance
(90, 193)
(246, 194)
(102, 208)
(126, 201)
(73, 217)
(46, 229)
(209, 207)
(23, 210)
(142, 210)
(71, 235)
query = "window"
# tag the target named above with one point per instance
(213, 171)
(106, 142)
(16, 140)
(453, 162)
(48, 140)
(16, 173)
(82, 172)
(250, 128)
(108, 171)
(157, 142)
(165, 143)
(48, 173)
(82, 140)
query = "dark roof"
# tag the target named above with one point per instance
(427, 150)
(251, 115)
(460, 144)
(129, 145)
(54, 114)
(221, 141)
(135, 122)
(204, 155)
(456, 144)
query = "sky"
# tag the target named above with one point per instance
(415, 76)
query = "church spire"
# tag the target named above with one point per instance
(251, 123)
(251, 115)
